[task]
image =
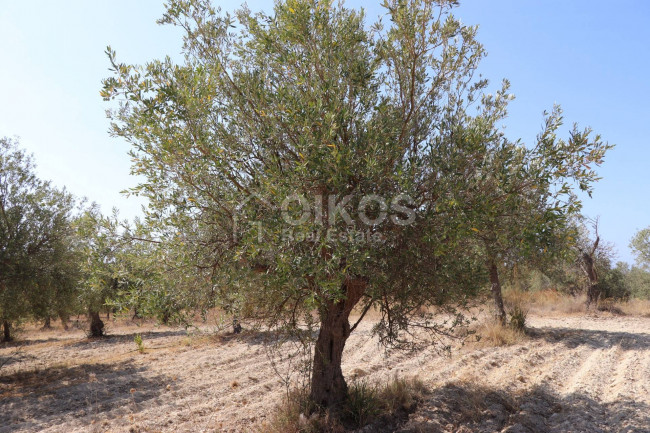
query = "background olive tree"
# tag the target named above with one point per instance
(638, 277)
(38, 256)
(640, 245)
(584, 264)
(106, 268)
(125, 270)
(636, 280)
(518, 201)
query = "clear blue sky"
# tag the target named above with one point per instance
(592, 57)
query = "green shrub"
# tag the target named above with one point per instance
(139, 343)
(364, 404)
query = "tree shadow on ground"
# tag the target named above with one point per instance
(19, 342)
(31, 400)
(254, 337)
(113, 339)
(596, 339)
(108, 339)
(465, 408)
(16, 357)
(251, 337)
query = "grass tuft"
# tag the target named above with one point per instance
(635, 307)
(364, 404)
(367, 403)
(548, 301)
(518, 316)
(139, 343)
(493, 333)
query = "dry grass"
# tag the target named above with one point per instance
(546, 301)
(367, 403)
(517, 305)
(609, 305)
(635, 307)
(295, 415)
(492, 333)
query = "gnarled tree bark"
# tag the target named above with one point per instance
(328, 386)
(96, 324)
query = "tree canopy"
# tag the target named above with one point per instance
(640, 245)
(305, 161)
(38, 267)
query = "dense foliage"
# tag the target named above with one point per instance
(303, 161)
(38, 254)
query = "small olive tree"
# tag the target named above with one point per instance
(124, 268)
(106, 265)
(518, 201)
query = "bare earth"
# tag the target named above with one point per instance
(573, 374)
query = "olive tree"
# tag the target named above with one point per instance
(638, 276)
(304, 161)
(105, 268)
(519, 201)
(155, 282)
(595, 257)
(124, 269)
(56, 289)
(38, 265)
(637, 280)
(640, 245)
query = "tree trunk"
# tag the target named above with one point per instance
(500, 311)
(593, 291)
(96, 324)
(588, 266)
(328, 387)
(64, 320)
(48, 323)
(236, 326)
(6, 329)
